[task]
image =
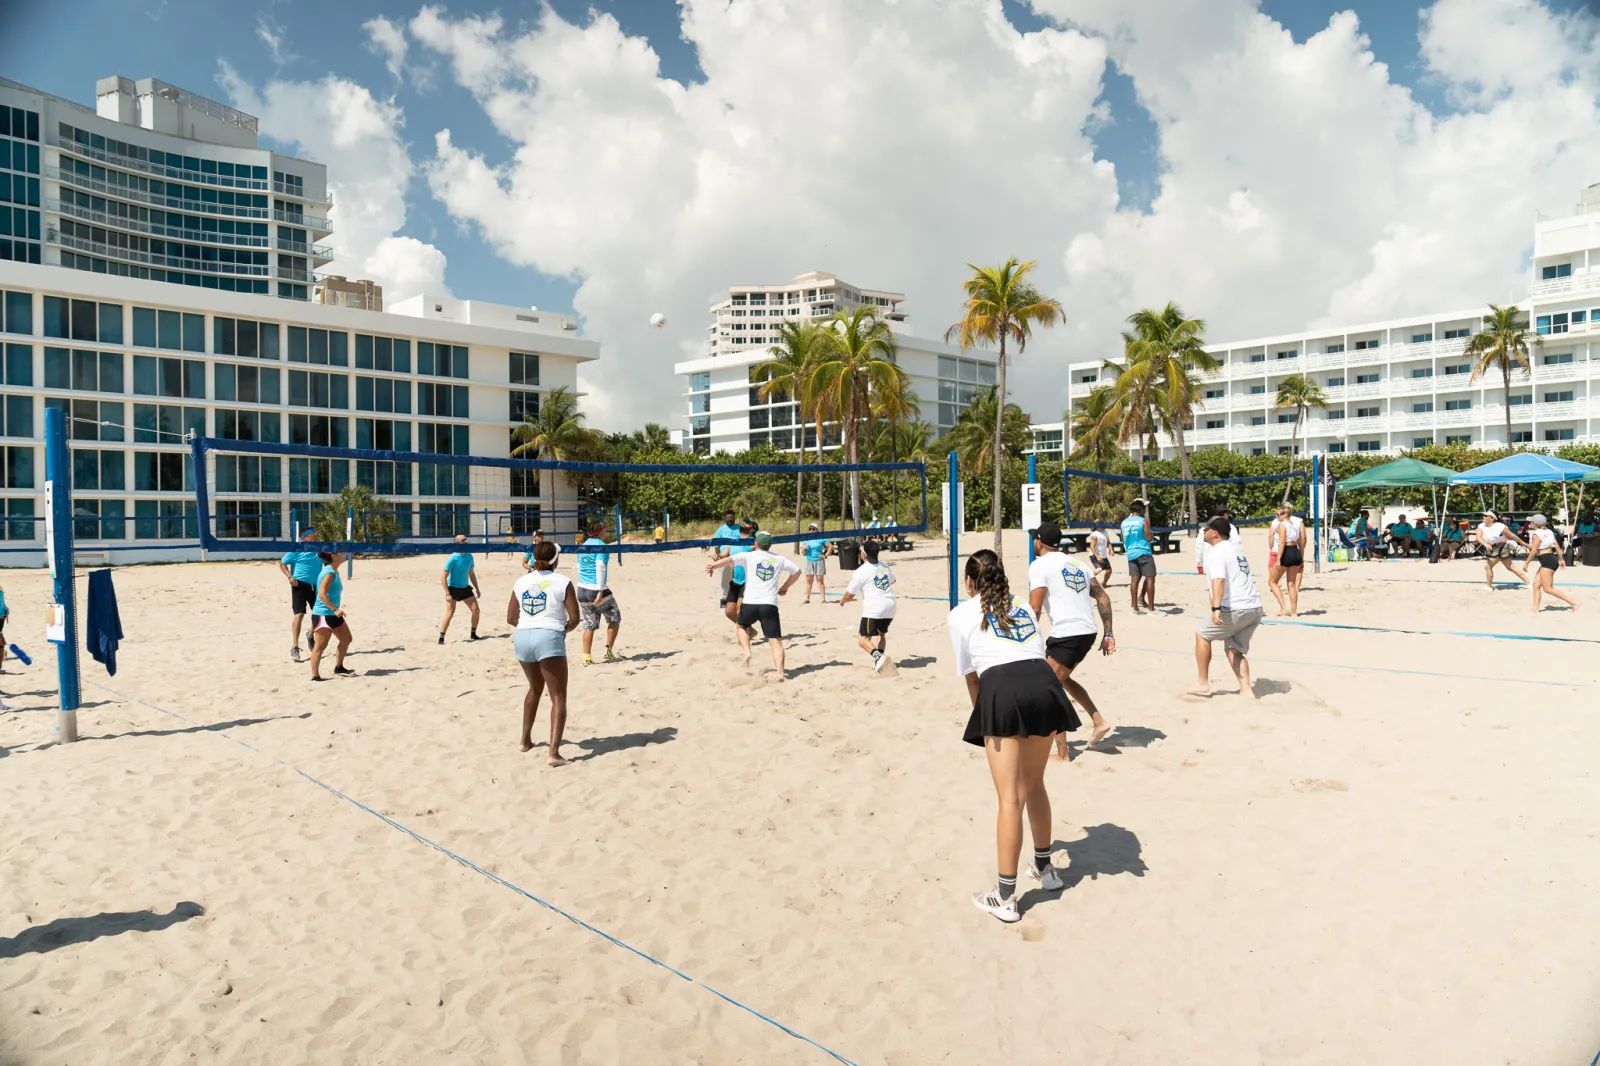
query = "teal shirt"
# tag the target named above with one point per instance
(335, 590)
(303, 566)
(815, 549)
(4, 610)
(1400, 530)
(459, 567)
(1133, 539)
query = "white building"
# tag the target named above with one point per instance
(1405, 383)
(1048, 441)
(143, 339)
(725, 412)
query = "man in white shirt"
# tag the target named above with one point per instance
(873, 585)
(1494, 538)
(1234, 605)
(1058, 584)
(1234, 537)
(766, 577)
(1100, 554)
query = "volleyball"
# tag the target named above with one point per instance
(658, 321)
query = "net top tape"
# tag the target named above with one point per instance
(502, 544)
(1134, 478)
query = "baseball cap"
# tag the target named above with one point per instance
(1048, 534)
(1490, 514)
(1219, 526)
(763, 539)
(1539, 520)
(813, 525)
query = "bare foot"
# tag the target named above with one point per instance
(527, 745)
(1061, 753)
(1197, 691)
(1100, 731)
(557, 760)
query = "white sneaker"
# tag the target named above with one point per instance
(877, 661)
(294, 653)
(1004, 909)
(1049, 878)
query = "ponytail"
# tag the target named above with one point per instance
(988, 577)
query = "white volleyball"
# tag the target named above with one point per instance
(658, 321)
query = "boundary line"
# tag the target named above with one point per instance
(1428, 632)
(1373, 670)
(469, 864)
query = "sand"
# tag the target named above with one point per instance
(1392, 857)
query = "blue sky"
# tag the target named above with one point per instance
(181, 41)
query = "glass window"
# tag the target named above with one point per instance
(110, 324)
(363, 352)
(144, 327)
(194, 379)
(169, 330)
(1336, 381)
(57, 368)
(18, 416)
(425, 357)
(402, 356)
(1466, 405)
(298, 345)
(56, 319)
(525, 371)
(224, 382)
(339, 348)
(19, 312)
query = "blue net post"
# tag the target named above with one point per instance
(952, 526)
(666, 522)
(349, 535)
(58, 548)
(1316, 514)
(1033, 479)
(618, 508)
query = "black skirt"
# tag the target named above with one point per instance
(1022, 699)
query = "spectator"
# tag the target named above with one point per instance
(1400, 537)
(1454, 536)
(1421, 536)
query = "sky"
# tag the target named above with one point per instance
(1269, 165)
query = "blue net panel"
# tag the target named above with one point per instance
(252, 496)
(1300, 478)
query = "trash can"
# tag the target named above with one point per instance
(1590, 548)
(849, 553)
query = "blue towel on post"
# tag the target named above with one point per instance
(105, 624)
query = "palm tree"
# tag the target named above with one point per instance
(1136, 392)
(1095, 426)
(1502, 344)
(855, 375)
(1301, 392)
(654, 437)
(787, 374)
(556, 432)
(1164, 350)
(975, 432)
(1002, 305)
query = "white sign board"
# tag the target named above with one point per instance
(1032, 506)
(961, 506)
(50, 526)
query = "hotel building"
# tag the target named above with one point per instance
(156, 280)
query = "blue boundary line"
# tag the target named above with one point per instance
(469, 864)
(1372, 670)
(1428, 632)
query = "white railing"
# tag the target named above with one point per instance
(320, 251)
(192, 236)
(1410, 386)
(1557, 286)
(1545, 412)
(123, 192)
(1450, 346)
(1468, 416)
(1409, 350)
(290, 274)
(204, 104)
(1280, 430)
(1368, 355)
(1557, 372)
(1251, 402)
(1354, 426)
(1363, 390)
(161, 170)
(1239, 371)
(1199, 438)
(1323, 360)
(128, 255)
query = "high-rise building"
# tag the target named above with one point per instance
(1405, 382)
(726, 411)
(144, 251)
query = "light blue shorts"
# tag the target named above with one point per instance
(535, 644)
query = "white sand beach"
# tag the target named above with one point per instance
(1392, 857)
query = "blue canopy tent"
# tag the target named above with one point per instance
(1524, 468)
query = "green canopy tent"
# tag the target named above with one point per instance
(1401, 474)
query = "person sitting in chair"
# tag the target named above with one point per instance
(1451, 540)
(1360, 534)
(1421, 536)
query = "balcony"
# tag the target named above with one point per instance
(1467, 416)
(311, 222)
(1411, 386)
(1548, 412)
(1280, 430)
(133, 225)
(128, 255)
(1363, 390)
(306, 277)
(1557, 372)
(315, 251)
(1250, 402)
(122, 192)
(1323, 360)
(1366, 356)
(1449, 347)
(1363, 426)
(299, 193)
(1205, 438)
(162, 171)
(1561, 286)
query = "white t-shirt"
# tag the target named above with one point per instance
(1099, 544)
(873, 585)
(1071, 608)
(1292, 529)
(1492, 533)
(763, 574)
(1225, 561)
(1234, 538)
(1542, 539)
(542, 599)
(978, 649)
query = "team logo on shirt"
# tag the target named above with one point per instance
(1244, 564)
(533, 601)
(1076, 579)
(1022, 628)
(881, 581)
(765, 570)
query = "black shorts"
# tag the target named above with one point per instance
(302, 596)
(1069, 651)
(766, 614)
(875, 627)
(460, 595)
(1548, 560)
(326, 621)
(1100, 564)
(1291, 556)
(735, 593)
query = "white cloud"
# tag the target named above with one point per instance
(340, 124)
(893, 141)
(387, 39)
(273, 36)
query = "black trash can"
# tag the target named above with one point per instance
(1590, 549)
(849, 553)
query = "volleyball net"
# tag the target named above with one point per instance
(1095, 500)
(258, 496)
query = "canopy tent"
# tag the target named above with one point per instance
(1402, 473)
(1525, 467)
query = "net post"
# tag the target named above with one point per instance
(666, 522)
(617, 507)
(349, 533)
(58, 548)
(1033, 479)
(1316, 514)
(954, 524)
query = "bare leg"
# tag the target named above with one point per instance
(530, 701)
(1295, 575)
(473, 603)
(1080, 696)
(1133, 594)
(1488, 574)
(1538, 591)
(588, 642)
(1005, 767)
(1511, 566)
(343, 637)
(320, 644)
(611, 634)
(555, 679)
(449, 613)
(865, 644)
(1241, 670)
(777, 656)
(1150, 593)
(1549, 579)
(809, 579)
(1035, 754)
(1274, 575)
(743, 636)
(294, 631)
(1202, 662)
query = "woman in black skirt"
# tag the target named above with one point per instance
(1017, 705)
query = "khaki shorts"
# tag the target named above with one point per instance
(1236, 629)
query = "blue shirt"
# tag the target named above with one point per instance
(1133, 540)
(335, 589)
(459, 567)
(815, 549)
(303, 566)
(4, 610)
(591, 571)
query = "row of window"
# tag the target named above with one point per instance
(222, 283)
(169, 193)
(171, 223)
(209, 171)
(1563, 321)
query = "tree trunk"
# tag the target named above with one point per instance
(1183, 470)
(1294, 440)
(999, 435)
(855, 483)
(1505, 374)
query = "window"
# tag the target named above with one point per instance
(1367, 445)
(1283, 449)
(1551, 273)
(1454, 334)
(1258, 420)
(1284, 420)
(250, 425)
(1421, 338)
(443, 401)
(162, 472)
(16, 469)
(384, 394)
(324, 431)
(1368, 379)
(1334, 416)
(526, 405)
(524, 518)
(1335, 447)
(166, 424)
(320, 346)
(176, 378)
(1215, 394)
(1289, 355)
(1451, 371)
(241, 337)
(165, 519)
(1519, 399)
(1259, 357)
(383, 434)
(1461, 405)
(17, 415)
(441, 479)
(443, 519)
(1258, 451)
(700, 381)
(444, 361)
(99, 519)
(1422, 372)
(81, 371)
(1214, 423)
(1333, 349)
(1422, 408)
(1558, 359)
(1563, 396)
(79, 320)
(249, 519)
(382, 353)
(760, 419)
(1090, 378)
(89, 419)
(525, 371)
(96, 471)
(17, 309)
(1362, 346)
(249, 473)
(1257, 390)
(1336, 381)
(1421, 442)
(246, 384)
(172, 330)
(1522, 436)
(525, 484)
(1458, 438)
(1367, 412)
(1578, 317)
(315, 389)
(1558, 434)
